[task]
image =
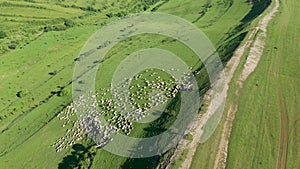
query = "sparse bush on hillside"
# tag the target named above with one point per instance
(120, 14)
(49, 28)
(22, 93)
(59, 24)
(89, 8)
(2, 34)
(69, 23)
(64, 92)
(46, 29)
(52, 73)
(109, 15)
(13, 45)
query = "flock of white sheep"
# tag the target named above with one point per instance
(109, 111)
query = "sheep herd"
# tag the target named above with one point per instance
(114, 110)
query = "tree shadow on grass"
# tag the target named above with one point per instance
(77, 156)
(141, 163)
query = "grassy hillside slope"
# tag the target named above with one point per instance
(42, 39)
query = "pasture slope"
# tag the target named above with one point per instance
(264, 133)
(229, 16)
(39, 46)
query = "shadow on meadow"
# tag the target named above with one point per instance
(80, 156)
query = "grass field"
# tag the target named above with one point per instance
(38, 52)
(264, 132)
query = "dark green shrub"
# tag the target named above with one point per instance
(109, 15)
(22, 93)
(69, 23)
(64, 92)
(12, 46)
(2, 34)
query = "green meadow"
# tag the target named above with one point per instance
(39, 43)
(265, 130)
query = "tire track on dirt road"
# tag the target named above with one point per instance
(283, 142)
